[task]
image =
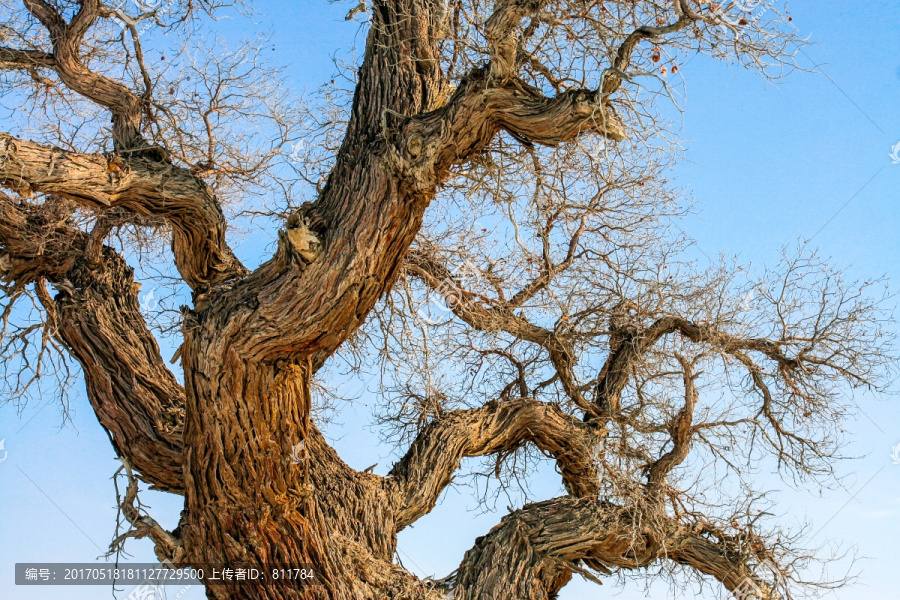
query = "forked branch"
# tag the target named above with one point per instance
(126, 106)
(140, 185)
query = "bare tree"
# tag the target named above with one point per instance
(487, 224)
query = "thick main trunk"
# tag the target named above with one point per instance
(264, 488)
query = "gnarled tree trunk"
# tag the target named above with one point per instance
(261, 485)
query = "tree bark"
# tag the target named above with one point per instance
(262, 487)
(96, 316)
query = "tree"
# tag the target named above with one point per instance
(487, 224)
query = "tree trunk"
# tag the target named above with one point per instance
(264, 488)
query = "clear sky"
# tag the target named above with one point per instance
(768, 166)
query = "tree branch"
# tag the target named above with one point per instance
(136, 398)
(96, 315)
(123, 103)
(533, 552)
(337, 256)
(631, 344)
(680, 432)
(168, 546)
(426, 146)
(143, 186)
(499, 316)
(612, 78)
(492, 99)
(429, 464)
(504, 35)
(11, 58)
(722, 559)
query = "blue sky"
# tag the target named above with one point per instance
(767, 166)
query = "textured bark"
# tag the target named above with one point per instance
(532, 553)
(101, 323)
(138, 184)
(435, 456)
(261, 485)
(249, 503)
(97, 316)
(248, 354)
